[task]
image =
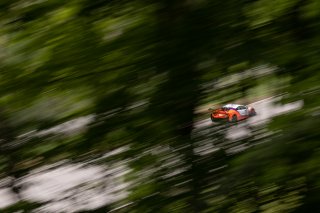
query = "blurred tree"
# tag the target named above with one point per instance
(280, 175)
(139, 67)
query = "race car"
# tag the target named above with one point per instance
(232, 113)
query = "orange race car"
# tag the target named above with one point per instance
(232, 113)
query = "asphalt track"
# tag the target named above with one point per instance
(266, 109)
(236, 133)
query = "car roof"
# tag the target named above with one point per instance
(232, 105)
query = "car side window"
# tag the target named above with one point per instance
(240, 107)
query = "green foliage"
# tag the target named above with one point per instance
(141, 69)
(21, 206)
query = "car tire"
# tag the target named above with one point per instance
(234, 119)
(251, 114)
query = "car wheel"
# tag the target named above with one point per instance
(252, 113)
(234, 119)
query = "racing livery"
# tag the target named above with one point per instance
(232, 113)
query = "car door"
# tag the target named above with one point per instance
(243, 111)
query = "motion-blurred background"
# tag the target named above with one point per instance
(104, 106)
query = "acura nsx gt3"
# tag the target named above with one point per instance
(232, 113)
